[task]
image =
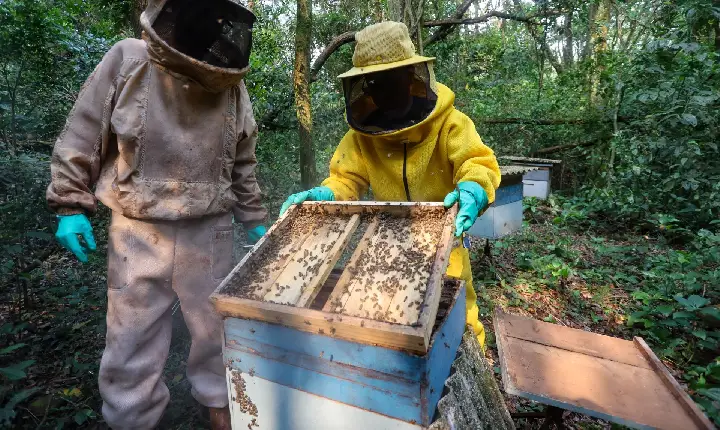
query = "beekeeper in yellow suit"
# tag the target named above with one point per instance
(407, 142)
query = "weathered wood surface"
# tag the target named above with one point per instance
(286, 251)
(529, 160)
(347, 283)
(585, 372)
(583, 342)
(473, 400)
(440, 263)
(393, 277)
(331, 258)
(309, 320)
(690, 407)
(260, 404)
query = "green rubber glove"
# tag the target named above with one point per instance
(254, 234)
(69, 228)
(317, 194)
(472, 198)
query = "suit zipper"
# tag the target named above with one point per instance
(405, 180)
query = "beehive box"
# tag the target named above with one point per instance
(389, 289)
(538, 182)
(281, 378)
(505, 215)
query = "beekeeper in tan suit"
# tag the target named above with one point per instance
(164, 131)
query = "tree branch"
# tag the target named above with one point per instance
(479, 19)
(443, 32)
(558, 148)
(337, 42)
(561, 121)
(447, 25)
(533, 121)
(568, 36)
(550, 55)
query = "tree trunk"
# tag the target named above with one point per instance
(11, 137)
(138, 8)
(410, 13)
(378, 12)
(716, 3)
(592, 13)
(599, 49)
(12, 141)
(568, 48)
(301, 76)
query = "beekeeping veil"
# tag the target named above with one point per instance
(390, 88)
(216, 32)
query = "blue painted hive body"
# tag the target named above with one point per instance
(283, 378)
(537, 182)
(505, 215)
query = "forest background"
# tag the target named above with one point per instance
(624, 92)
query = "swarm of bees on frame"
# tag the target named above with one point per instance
(390, 276)
(282, 246)
(386, 281)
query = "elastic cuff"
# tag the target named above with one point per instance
(69, 211)
(249, 225)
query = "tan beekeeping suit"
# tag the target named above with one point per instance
(168, 143)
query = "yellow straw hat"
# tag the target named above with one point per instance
(383, 46)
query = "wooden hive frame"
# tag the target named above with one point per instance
(295, 311)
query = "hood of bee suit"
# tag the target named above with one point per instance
(213, 52)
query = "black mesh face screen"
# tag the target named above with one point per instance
(218, 32)
(383, 102)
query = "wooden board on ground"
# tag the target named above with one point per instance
(387, 294)
(613, 379)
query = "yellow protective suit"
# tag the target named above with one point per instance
(423, 162)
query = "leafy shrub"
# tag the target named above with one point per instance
(667, 155)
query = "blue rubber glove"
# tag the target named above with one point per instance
(69, 228)
(254, 234)
(472, 198)
(317, 194)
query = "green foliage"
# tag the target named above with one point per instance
(12, 370)
(672, 299)
(675, 299)
(7, 412)
(48, 49)
(16, 370)
(705, 380)
(666, 156)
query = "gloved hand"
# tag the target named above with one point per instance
(69, 228)
(473, 199)
(317, 194)
(254, 234)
